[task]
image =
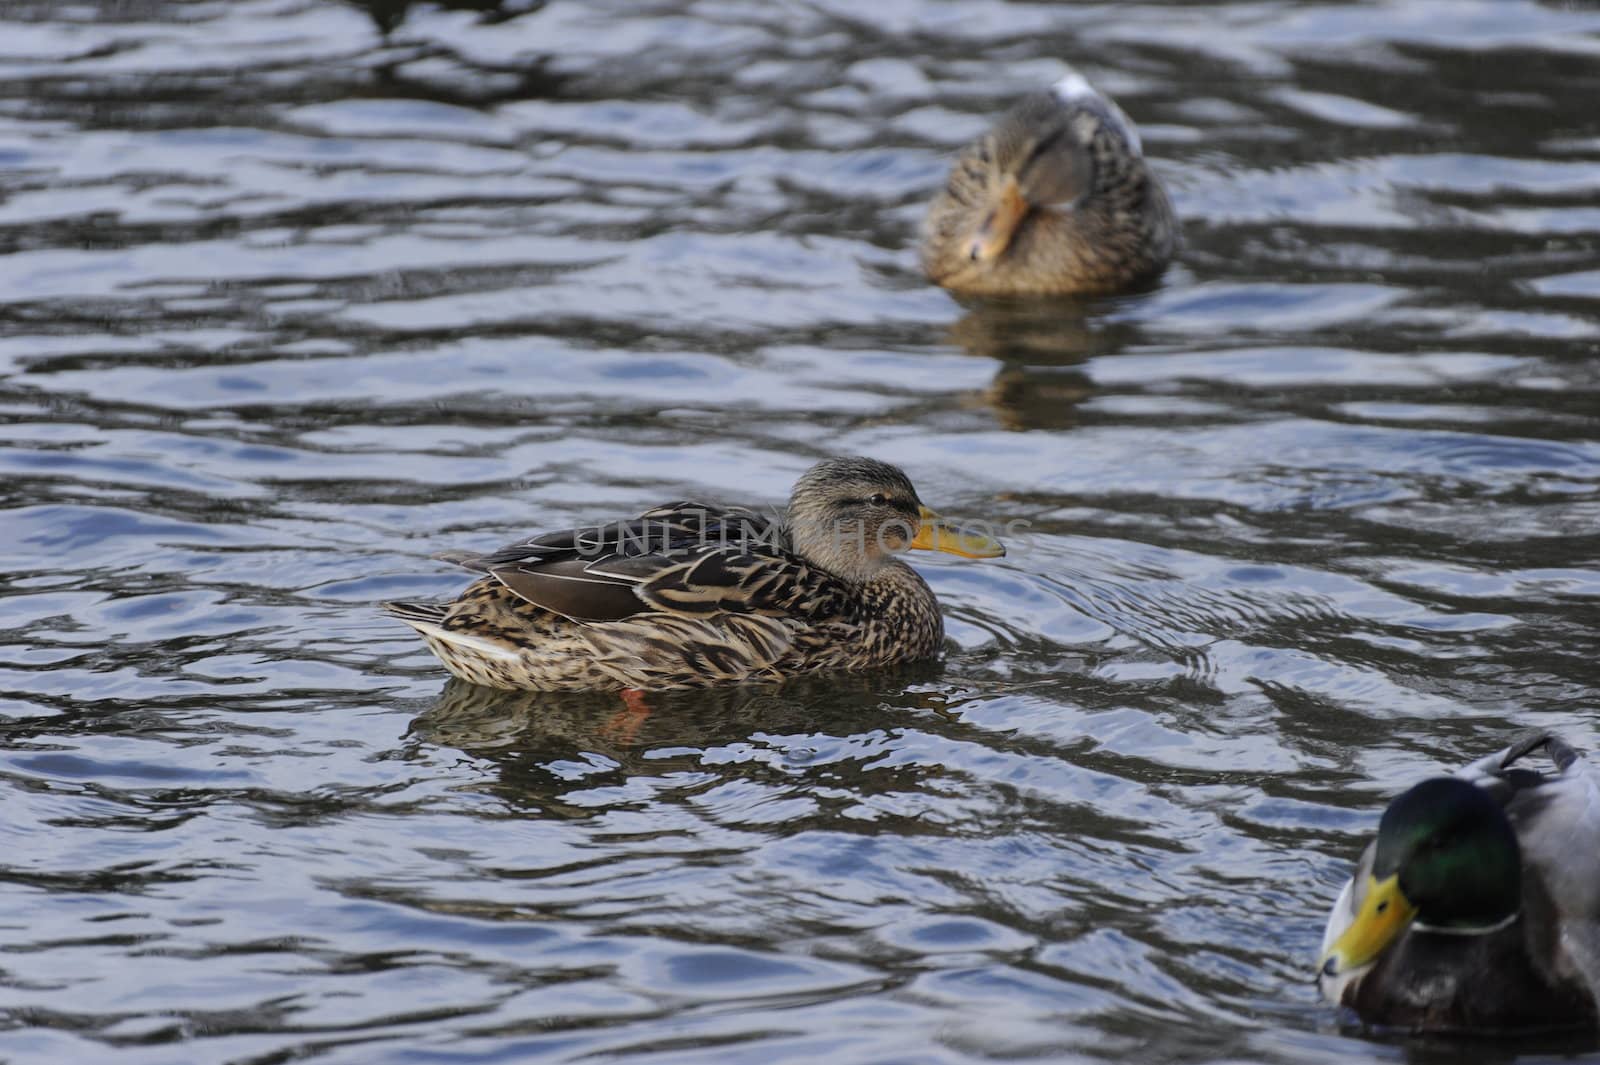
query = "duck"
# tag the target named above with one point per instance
(1477, 907)
(691, 595)
(1054, 200)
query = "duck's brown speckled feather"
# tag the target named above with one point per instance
(1121, 234)
(683, 596)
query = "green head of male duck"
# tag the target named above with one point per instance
(852, 515)
(1446, 858)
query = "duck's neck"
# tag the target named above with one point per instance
(896, 582)
(840, 551)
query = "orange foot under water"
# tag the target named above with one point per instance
(622, 726)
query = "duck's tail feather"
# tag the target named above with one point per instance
(1074, 91)
(1559, 751)
(424, 617)
(1561, 754)
(465, 559)
(453, 646)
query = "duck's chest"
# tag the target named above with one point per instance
(1482, 983)
(892, 619)
(901, 625)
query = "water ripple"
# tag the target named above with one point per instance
(296, 292)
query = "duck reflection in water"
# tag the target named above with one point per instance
(533, 736)
(1041, 345)
(387, 15)
(421, 67)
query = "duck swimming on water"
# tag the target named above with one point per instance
(1055, 199)
(688, 594)
(1477, 908)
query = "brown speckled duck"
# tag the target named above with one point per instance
(688, 595)
(1056, 199)
(1477, 908)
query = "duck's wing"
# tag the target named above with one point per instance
(1556, 815)
(1501, 776)
(1537, 802)
(1557, 821)
(1074, 93)
(684, 558)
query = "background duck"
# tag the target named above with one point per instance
(1477, 908)
(688, 595)
(1055, 199)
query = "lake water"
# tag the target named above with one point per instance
(287, 304)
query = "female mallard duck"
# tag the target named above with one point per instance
(1056, 199)
(687, 595)
(1477, 908)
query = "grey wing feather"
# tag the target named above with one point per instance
(1557, 819)
(1074, 91)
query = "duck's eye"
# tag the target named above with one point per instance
(1382, 907)
(878, 499)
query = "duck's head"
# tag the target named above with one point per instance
(1043, 156)
(1055, 198)
(1446, 858)
(851, 515)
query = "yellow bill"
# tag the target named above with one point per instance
(936, 534)
(1384, 914)
(994, 234)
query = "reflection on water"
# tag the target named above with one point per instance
(296, 291)
(660, 732)
(1040, 346)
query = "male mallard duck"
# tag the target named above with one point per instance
(688, 595)
(1056, 199)
(1477, 908)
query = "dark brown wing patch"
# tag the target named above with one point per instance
(566, 587)
(682, 558)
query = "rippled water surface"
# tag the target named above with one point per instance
(294, 293)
